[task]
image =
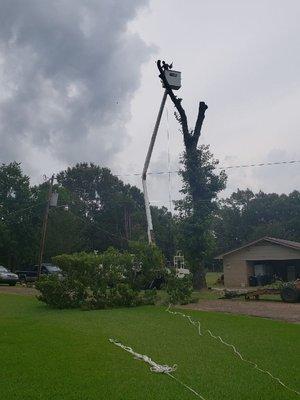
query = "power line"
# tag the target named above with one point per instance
(23, 209)
(265, 164)
(96, 225)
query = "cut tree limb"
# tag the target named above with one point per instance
(191, 138)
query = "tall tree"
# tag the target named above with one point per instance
(16, 206)
(113, 211)
(201, 186)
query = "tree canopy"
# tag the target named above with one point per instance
(102, 212)
(246, 216)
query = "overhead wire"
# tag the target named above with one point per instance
(169, 172)
(23, 209)
(95, 224)
(263, 164)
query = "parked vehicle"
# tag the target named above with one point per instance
(29, 273)
(8, 277)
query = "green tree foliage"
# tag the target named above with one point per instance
(201, 185)
(139, 265)
(246, 216)
(113, 211)
(102, 280)
(151, 261)
(17, 233)
(165, 231)
(179, 289)
(102, 211)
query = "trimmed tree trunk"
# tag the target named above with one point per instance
(199, 281)
(191, 139)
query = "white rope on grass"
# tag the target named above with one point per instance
(155, 367)
(189, 318)
(163, 369)
(235, 351)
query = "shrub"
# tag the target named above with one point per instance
(179, 289)
(102, 280)
(120, 296)
(151, 261)
(61, 293)
(150, 297)
(124, 295)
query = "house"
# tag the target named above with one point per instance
(261, 262)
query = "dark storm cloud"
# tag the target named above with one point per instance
(68, 70)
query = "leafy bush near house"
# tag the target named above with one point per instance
(109, 279)
(121, 295)
(150, 297)
(61, 293)
(151, 261)
(139, 266)
(179, 289)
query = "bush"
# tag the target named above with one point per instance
(150, 297)
(110, 266)
(61, 293)
(179, 289)
(120, 296)
(139, 268)
(102, 280)
(152, 264)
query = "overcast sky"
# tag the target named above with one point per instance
(78, 82)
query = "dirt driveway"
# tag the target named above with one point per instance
(22, 290)
(266, 309)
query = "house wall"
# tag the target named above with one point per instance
(237, 269)
(268, 251)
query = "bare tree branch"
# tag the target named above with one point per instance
(201, 115)
(175, 100)
(190, 138)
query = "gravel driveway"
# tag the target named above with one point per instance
(266, 309)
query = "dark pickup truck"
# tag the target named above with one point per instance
(29, 273)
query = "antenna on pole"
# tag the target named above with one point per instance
(174, 80)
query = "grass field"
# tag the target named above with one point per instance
(50, 354)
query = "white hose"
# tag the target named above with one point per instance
(234, 349)
(163, 369)
(155, 367)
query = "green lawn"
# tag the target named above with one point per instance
(49, 354)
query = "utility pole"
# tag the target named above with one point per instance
(173, 79)
(44, 229)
